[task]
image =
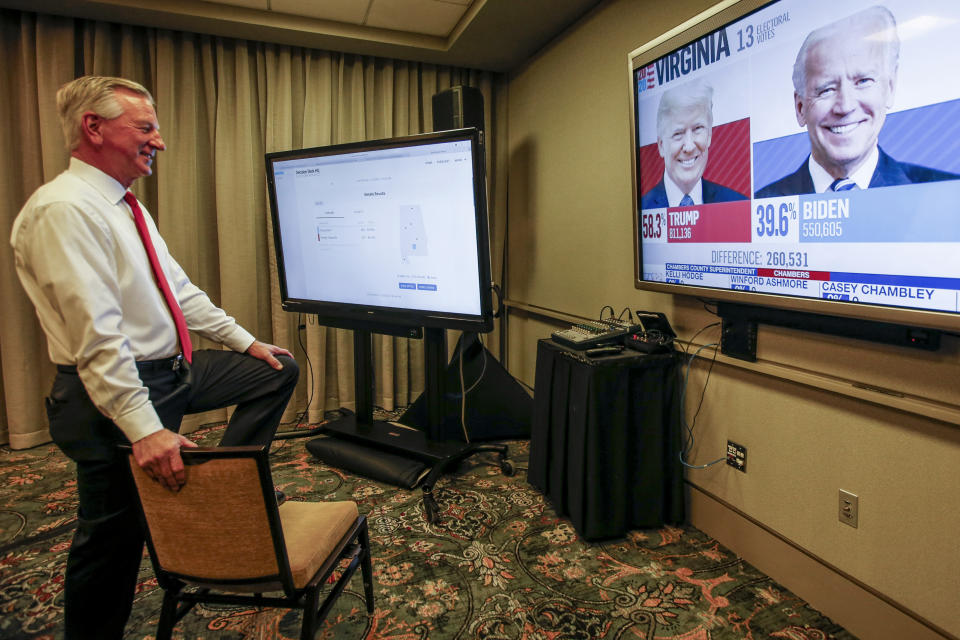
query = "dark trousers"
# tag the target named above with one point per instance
(104, 558)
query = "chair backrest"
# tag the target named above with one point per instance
(222, 527)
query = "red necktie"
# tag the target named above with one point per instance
(161, 279)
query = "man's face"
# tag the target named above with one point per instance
(130, 141)
(683, 143)
(848, 91)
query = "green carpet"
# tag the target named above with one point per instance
(498, 565)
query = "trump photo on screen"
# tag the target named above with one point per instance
(684, 138)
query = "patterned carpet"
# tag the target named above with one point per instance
(498, 565)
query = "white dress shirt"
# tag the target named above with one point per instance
(862, 176)
(83, 265)
(675, 193)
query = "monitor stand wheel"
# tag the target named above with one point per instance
(431, 508)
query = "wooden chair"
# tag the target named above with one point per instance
(223, 539)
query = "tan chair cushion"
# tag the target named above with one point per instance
(311, 531)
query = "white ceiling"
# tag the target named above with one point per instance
(497, 35)
(426, 17)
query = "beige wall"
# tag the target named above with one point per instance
(808, 412)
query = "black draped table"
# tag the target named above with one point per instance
(605, 439)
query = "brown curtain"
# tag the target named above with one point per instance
(222, 104)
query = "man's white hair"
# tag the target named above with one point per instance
(876, 23)
(91, 93)
(691, 94)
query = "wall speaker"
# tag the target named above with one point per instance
(458, 107)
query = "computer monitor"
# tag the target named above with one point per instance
(384, 234)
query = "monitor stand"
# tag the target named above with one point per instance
(426, 443)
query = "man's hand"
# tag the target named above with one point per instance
(159, 455)
(266, 352)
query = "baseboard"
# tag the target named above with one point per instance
(864, 613)
(194, 421)
(22, 440)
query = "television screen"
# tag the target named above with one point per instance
(803, 154)
(384, 232)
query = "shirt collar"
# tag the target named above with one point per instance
(862, 176)
(110, 189)
(675, 193)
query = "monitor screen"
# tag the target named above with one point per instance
(803, 154)
(389, 232)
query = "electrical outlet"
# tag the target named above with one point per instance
(849, 508)
(737, 456)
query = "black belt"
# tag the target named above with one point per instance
(163, 364)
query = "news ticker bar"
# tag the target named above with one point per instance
(911, 213)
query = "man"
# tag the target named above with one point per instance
(844, 80)
(122, 364)
(684, 131)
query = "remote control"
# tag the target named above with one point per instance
(604, 351)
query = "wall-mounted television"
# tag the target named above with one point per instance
(803, 155)
(386, 233)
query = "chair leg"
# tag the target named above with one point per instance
(311, 602)
(168, 615)
(366, 565)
